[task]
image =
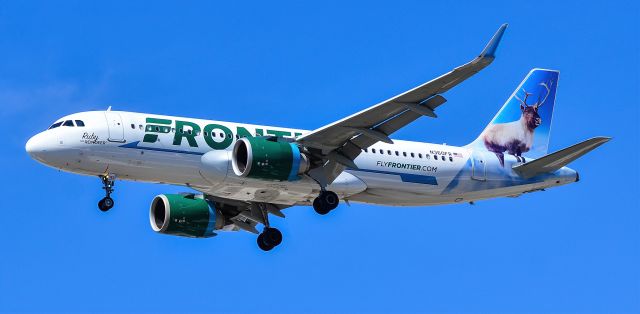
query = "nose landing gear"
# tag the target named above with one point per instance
(325, 202)
(108, 181)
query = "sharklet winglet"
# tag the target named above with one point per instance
(490, 50)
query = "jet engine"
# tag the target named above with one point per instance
(185, 215)
(268, 158)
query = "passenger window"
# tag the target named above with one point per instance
(68, 123)
(221, 135)
(397, 153)
(157, 129)
(389, 152)
(373, 150)
(140, 126)
(189, 131)
(365, 150)
(381, 151)
(55, 125)
(450, 159)
(133, 126)
(404, 154)
(419, 155)
(413, 156)
(173, 130)
(180, 131)
(427, 156)
(79, 123)
(443, 159)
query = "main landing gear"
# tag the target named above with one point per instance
(270, 237)
(108, 181)
(325, 202)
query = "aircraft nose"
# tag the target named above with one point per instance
(38, 145)
(34, 145)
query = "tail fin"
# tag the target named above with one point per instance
(522, 126)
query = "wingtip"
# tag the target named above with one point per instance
(490, 50)
(604, 139)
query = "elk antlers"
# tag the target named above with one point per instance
(526, 95)
(538, 103)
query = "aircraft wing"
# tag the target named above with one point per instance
(342, 141)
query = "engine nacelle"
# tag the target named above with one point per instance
(184, 215)
(268, 158)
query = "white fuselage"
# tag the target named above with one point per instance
(175, 150)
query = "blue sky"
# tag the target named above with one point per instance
(571, 249)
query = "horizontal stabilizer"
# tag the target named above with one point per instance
(559, 159)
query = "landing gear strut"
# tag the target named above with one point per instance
(108, 181)
(325, 202)
(270, 237)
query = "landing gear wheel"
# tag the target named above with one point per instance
(269, 238)
(330, 199)
(105, 204)
(272, 236)
(319, 207)
(262, 245)
(325, 202)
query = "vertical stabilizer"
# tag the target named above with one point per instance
(521, 128)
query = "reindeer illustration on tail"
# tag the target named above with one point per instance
(516, 137)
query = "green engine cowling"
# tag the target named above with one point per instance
(184, 215)
(268, 158)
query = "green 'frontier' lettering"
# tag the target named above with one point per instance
(189, 134)
(243, 132)
(279, 133)
(158, 126)
(208, 137)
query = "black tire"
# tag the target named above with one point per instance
(319, 207)
(262, 245)
(105, 204)
(272, 236)
(108, 202)
(330, 199)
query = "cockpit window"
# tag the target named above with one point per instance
(55, 125)
(68, 123)
(79, 123)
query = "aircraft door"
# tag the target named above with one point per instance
(478, 167)
(116, 129)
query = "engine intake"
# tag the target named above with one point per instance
(184, 215)
(268, 158)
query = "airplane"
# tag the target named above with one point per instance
(243, 173)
